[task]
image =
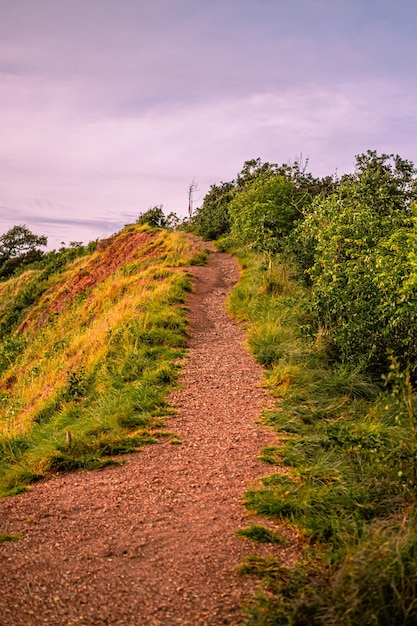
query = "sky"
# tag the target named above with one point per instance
(111, 107)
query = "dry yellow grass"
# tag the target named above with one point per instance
(73, 335)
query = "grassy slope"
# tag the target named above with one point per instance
(88, 354)
(350, 448)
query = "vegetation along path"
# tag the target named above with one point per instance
(152, 541)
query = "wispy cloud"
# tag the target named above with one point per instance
(106, 110)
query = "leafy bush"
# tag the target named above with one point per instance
(157, 218)
(55, 261)
(19, 263)
(263, 213)
(19, 247)
(212, 220)
(356, 248)
(260, 206)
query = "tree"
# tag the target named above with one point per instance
(19, 240)
(212, 220)
(153, 217)
(253, 169)
(386, 183)
(264, 212)
(281, 193)
(193, 187)
(156, 217)
(19, 246)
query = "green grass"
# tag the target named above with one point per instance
(260, 534)
(349, 446)
(7, 537)
(90, 381)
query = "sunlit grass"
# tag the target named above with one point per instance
(348, 449)
(92, 376)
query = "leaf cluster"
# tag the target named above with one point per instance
(19, 247)
(213, 219)
(356, 249)
(156, 217)
(260, 206)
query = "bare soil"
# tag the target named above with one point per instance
(153, 541)
(116, 250)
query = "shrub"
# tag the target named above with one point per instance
(212, 220)
(356, 250)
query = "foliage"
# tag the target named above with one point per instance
(351, 246)
(55, 261)
(386, 183)
(349, 445)
(13, 264)
(349, 448)
(265, 192)
(263, 213)
(19, 246)
(260, 534)
(212, 220)
(19, 240)
(303, 180)
(157, 218)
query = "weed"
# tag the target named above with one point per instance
(201, 258)
(7, 537)
(9, 350)
(268, 567)
(270, 455)
(260, 534)
(76, 384)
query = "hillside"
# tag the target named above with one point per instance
(327, 297)
(153, 541)
(77, 334)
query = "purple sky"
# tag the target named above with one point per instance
(109, 107)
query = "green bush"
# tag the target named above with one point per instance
(212, 220)
(356, 248)
(263, 213)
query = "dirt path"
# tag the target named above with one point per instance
(151, 542)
